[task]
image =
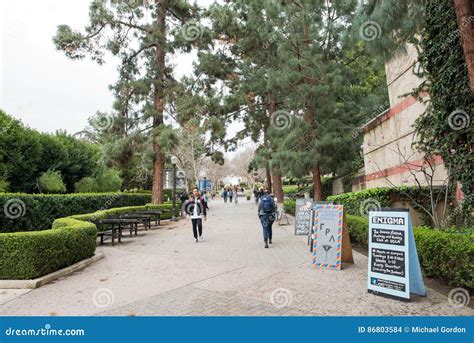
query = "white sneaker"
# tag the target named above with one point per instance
(201, 238)
(196, 240)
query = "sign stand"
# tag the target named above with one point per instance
(331, 241)
(394, 269)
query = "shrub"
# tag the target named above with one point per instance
(32, 212)
(51, 182)
(4, 186)
(28, 255)
(289, 205)
(86, 185)
(109, 180)
(354, 201)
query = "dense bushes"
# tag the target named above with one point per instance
(31, 212)
(51, 182)
(26, 154)
(356, 202)
(27, 255)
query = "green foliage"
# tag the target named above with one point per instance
(28, 255)
(108, 180)
(26, 154)
(4, 186)
(354, 201)
(289, 205)
(446, 127)
(86, 185)
(31, 212)
(51, 182)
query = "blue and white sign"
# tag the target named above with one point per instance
(394, 268)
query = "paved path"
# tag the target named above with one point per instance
(164, 272)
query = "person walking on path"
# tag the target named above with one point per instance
(224, 194)
(255, 195)
(236, 200)
(230, 194)
(266, 213)
(196, 209)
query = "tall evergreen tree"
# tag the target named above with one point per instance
(141, 34)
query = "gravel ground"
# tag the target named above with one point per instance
(164, 272)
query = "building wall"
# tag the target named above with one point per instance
(389, 158)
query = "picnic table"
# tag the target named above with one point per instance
(155, 213)
(142, 217)
(115, 226)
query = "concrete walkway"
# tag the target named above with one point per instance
(164, 272)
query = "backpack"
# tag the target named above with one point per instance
(268, 206)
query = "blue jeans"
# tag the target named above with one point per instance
(267, 222)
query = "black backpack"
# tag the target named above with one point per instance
(268, 206)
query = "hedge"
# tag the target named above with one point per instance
(353, 201)
(28, 255)
(444, 254)
(31, 254)
(32, 212)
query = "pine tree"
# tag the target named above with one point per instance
(141, 33)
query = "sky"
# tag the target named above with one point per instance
(38, 84)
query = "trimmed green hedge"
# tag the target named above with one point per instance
(32, 212)
(31, 254)
(28, 255)
(354, 200)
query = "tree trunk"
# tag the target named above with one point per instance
(317, 185)
(277, 184)
(276, 176)
(465, 18)
(269, 179)
(157, 195)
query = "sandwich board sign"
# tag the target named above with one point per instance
(394, 269)
(331, 242)
(303, 216)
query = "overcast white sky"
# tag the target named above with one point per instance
(38, 84)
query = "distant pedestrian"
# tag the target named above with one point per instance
(183, 197)
(255, 195)
(236, 198)
(231, 194)
(224, 194)
(266, 213)
(196, 209)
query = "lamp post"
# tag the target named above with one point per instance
(174, 161)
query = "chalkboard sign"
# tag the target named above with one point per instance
(331, 243)
(394, 268)
(303, 216)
